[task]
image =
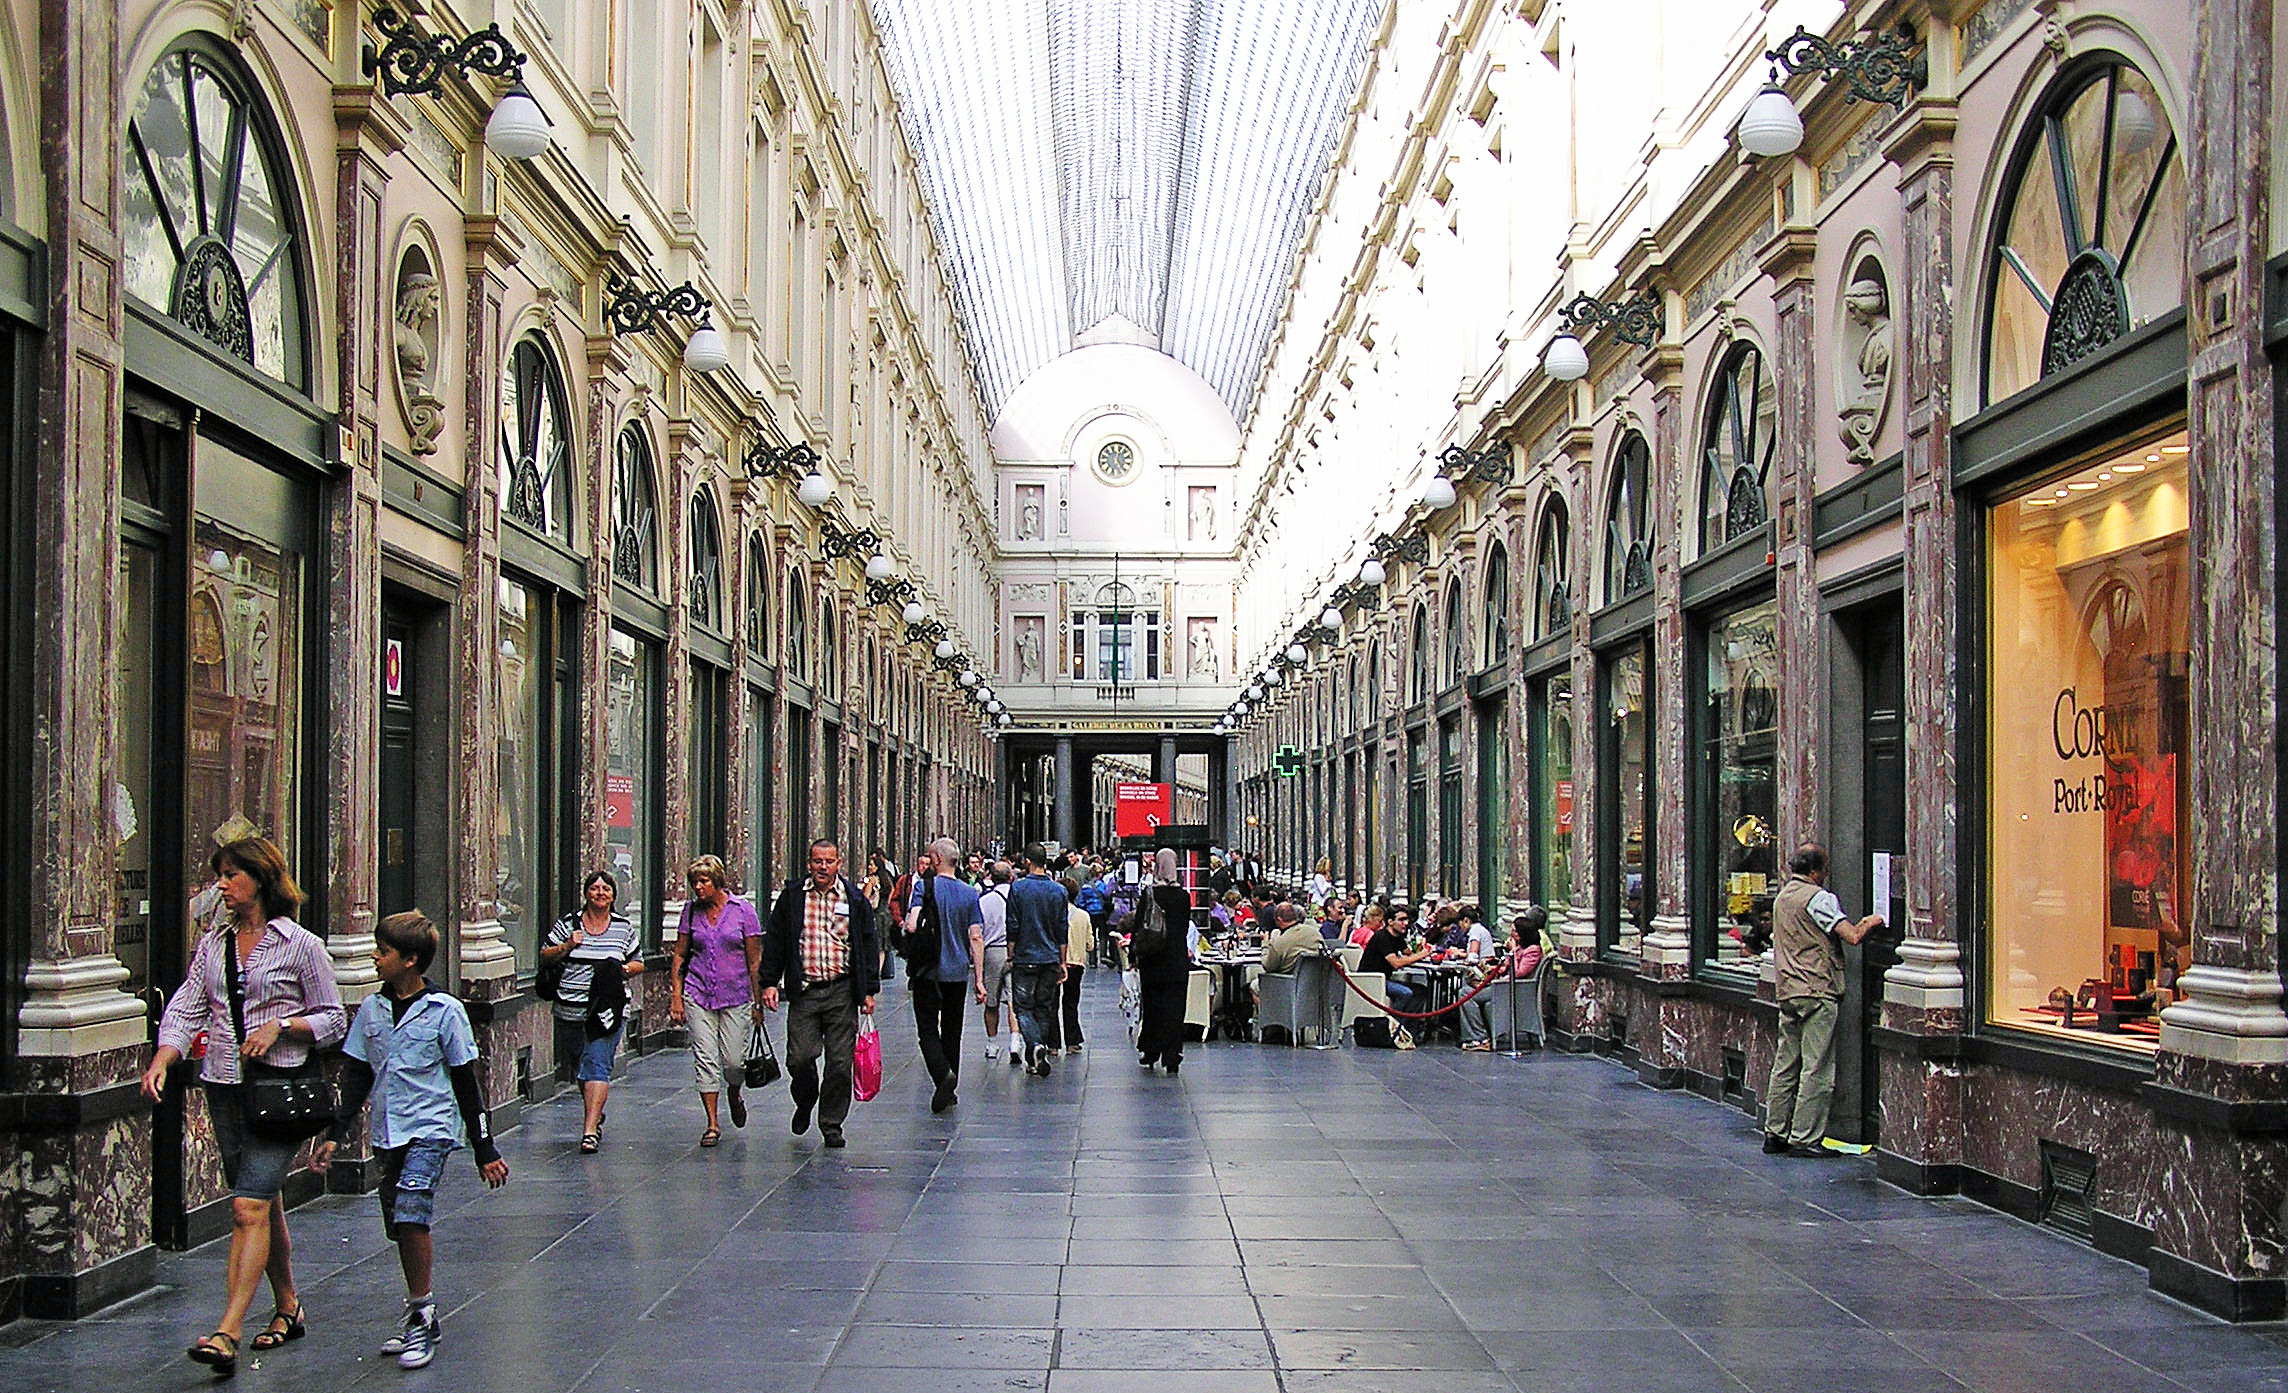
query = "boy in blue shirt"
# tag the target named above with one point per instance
(411, 1048)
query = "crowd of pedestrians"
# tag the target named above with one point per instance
(259, 1004)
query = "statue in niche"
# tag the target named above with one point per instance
(1028, 650)
(419, 302)
(1202, 519)
(1205, 666)
(1869, 306)
(1029, 512)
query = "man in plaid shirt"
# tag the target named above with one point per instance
(822, 948)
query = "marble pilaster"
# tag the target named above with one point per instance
(487, 959)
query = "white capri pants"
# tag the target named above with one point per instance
(718, 1044)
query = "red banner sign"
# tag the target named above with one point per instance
(1139, 810)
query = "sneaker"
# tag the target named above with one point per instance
(1072, 1049)
(992, 1049)
(1017, 1054)
(421, 1336)
(395, 1344)
(1041, 1060)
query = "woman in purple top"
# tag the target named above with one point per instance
(717, 952)
(291, 1009)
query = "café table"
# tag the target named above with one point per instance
(1233, 972)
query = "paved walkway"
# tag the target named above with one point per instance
(1275, 1219)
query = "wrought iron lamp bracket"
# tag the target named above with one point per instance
(630, 309)
(929, 631)
(834, 543)
(954, 662)
(889, 592)
(1885, 67)
(1491, 465)
(1635, 321)
(411, 61)
(1409, 546)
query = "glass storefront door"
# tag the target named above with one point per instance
(1624, 805)
(1550, 748)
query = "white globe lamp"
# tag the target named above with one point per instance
(1771, 127)
(1371, 572)
(518, 129)
(878, 567)
(1565, 360)
(1438, 494)
(1330, 618)
(913, 612)
(814, 490)
(707, 351)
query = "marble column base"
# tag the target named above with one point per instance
(1927, 977)
(81, 1181)
(74, 1007)
(2230, 1015)
(1577, 936)
(1667, 955)
(486, 953)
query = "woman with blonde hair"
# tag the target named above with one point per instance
(1321, 884)
(717, 952)
(261, 988)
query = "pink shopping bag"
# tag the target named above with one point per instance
(866, 1078)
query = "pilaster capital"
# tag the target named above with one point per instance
(1789, 256)
(367, 122)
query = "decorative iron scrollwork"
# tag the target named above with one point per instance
(889, 592)
(1880, 67)
(1410, 546)
(627, 554)
(1635, 321)
(411, 61)
(929, 631)
(1636, 570)
(1744, 509)
(1491, 465)
(2089, 311)
(1560, 609)
(527, 495)
(210, 298)
(630, 309)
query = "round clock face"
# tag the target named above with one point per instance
(1116, 461)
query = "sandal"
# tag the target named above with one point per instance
(218, 1352)
(282, 1327)
(589, 1141)
(710, 1137)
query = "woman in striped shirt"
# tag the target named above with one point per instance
(291, 1009)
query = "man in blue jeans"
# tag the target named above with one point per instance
(1037, 927)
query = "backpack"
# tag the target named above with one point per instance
(1091, 900)
(922, 939)
(1150, 937)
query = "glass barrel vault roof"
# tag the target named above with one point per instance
(1153, 160)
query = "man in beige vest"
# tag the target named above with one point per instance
(1807, 922)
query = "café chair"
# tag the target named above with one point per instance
(1528, 991)
(1199, 1004)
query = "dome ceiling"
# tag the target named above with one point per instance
(1153, 160)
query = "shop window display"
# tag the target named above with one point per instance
(1735, 857)
(631, 777)
(1553, 798)
(2087, 747)
(1626, 903)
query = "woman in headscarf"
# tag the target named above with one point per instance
(1158, 947)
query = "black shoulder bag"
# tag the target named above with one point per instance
(762, 1067)
(282, 1105)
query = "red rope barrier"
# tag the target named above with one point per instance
(1386, 1008)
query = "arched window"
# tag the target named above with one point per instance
(706, 562)
(1456, 649)
(635, 514)
(1736, 449)
(210, 229)
(1373, 682)
(797, 627)
(1494, 632)
(1628, 530)
(1418, 671)
(535, 442)
(1352, 687)
(2092, 238)
(758, 597)
(1553, 571)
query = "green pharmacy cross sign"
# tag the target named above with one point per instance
(1288, 761)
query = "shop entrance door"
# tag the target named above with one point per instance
(399, 831)
(1876, 638)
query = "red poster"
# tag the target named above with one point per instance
(1564, 807)
(620, 800)
(1139, 810)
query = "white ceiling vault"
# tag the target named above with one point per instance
(1137, 168)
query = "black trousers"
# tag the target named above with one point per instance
(938, 1009)
(1160, 1023)
(1069, 1035)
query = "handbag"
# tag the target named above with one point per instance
(762, 1068)
(281, 1105)
(866, 1061)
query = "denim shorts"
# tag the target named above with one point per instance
(254, 1168)
(409, 1178)
(591, 1059)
